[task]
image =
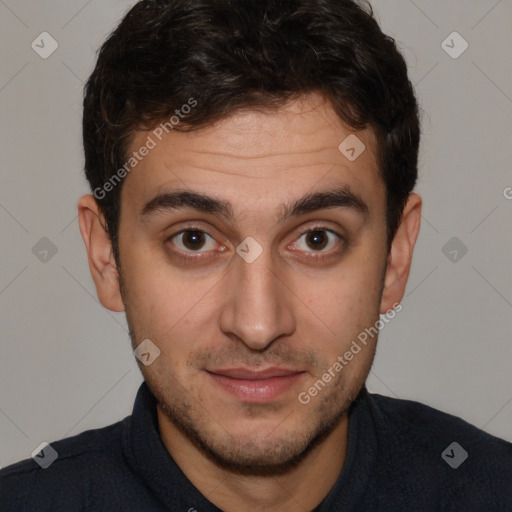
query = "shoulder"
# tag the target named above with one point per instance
(67, 473)
(424, 424)
(442, 454)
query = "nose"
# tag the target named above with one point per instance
(258, 305)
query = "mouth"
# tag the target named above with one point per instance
(256, 386)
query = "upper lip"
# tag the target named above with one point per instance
(247, 374)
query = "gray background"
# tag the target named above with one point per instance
(66, 364)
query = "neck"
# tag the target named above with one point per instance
(303, 488)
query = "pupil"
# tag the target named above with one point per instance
(194, 240)
(318, 239)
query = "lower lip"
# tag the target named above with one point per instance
(257, 391)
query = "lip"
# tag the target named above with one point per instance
(260, 386)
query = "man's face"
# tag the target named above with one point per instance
(243, 334)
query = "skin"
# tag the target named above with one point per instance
(288, 308)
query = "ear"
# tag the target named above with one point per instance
(400, 254)
(99, 253)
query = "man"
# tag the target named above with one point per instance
(252, 167)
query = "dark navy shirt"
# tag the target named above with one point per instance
(401, 456)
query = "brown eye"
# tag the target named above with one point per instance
(317, 240)
(193, 240)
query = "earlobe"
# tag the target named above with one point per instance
(99, 253)
(400, 254)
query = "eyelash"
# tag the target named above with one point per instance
(318, 256)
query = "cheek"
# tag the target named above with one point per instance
(347, 296)
(339, 308)
(169, 306)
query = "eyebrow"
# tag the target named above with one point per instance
(341, 197)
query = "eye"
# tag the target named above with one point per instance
(317, 240)
(193, 240)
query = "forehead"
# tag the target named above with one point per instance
(260, 157)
